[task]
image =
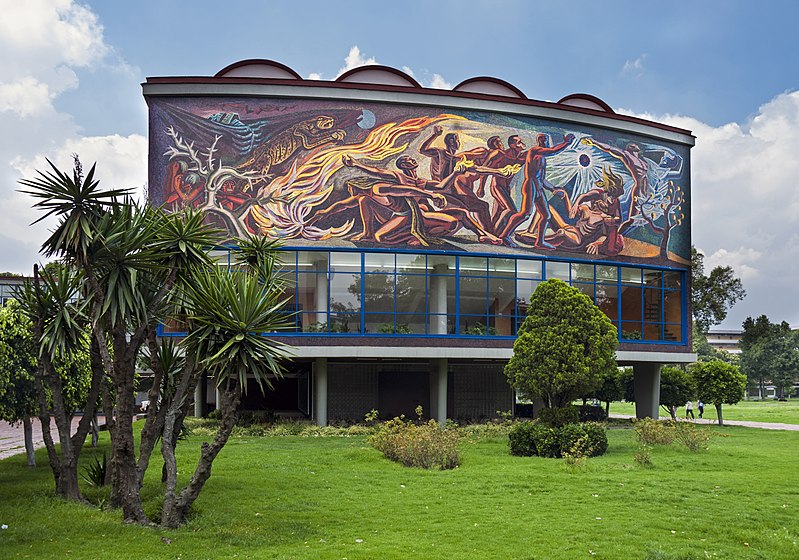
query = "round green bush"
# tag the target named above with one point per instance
(527, 439)
(591, 413)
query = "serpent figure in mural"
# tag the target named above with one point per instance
(305, 135)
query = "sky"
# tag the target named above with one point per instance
(728, 70)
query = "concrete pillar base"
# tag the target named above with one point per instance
(646, 379)
(320, 392)
(438, 390)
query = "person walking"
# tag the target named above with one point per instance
(701, 406)
(689, 410)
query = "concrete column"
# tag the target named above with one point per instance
(200, 396)
(217, 398)
(439, 369)
(320, 391)
(646, 380)
(438, 300)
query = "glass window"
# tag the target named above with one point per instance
(652, 305)
(582, 272)
(378, 293)
(411, 293)
(672, 333)
(501, 296)
(672, 307)
(652, 278)
(631, 309)
(558, 270)
(528, 269)
(411, 324)
(607, 299)
(630, 275)
(525, 289)
(379, 262)
(345, 282)
(502, 267)
(411, 264)
(672, 280)
(473, 296)
(631, 330)
(345, 323)
(379, 323)
(312, 260)
(653, 331)
(441, 264)
(606, 273)
(587, 289)
(473, 266)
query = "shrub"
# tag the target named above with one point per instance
(533, 438)
(426, 445)
(591, 413)
(653, 432)
(524, 410)
(643, 456)
(692, 437)
(95, 472)
(559, 416)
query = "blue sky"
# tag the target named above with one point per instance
(726, 70)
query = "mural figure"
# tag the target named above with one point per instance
(307, 135)
(636, 164)
(535, 182)
(598, 214)
(299, 171)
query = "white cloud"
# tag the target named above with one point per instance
(745, 205)
(439, 82)
(634, 67)
(314, 76)
(354, 59)
(43, 43)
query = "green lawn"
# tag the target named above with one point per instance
(754, 411)
(297, 498)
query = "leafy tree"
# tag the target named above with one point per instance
(719, 383)
(137, 267)
(610, 388)
(564, 347)
(676, 388)
(769, 353)
(17, 368)
(712, 295)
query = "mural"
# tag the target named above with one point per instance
(368, 175)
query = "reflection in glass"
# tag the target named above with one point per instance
(607, 299)
(672, 280)
(558, 270)
(379, 262)
(411, 292)
(473, 266)
(587, 289)
(528, 269)
(652, 278)
(606, 273)
(631, 330)
(582, 272)
(630, 275)
(411, 264)
(653, 331)
(502, 267)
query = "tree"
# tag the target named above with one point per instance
(17, 368)
(713, 295)
(769, 352)
(564, 347)
(137, 267)
(610, 388)
(719, 383)
(676, 388)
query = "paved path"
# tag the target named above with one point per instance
(12, 438)
(746, 423)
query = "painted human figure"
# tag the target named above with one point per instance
(397, 208)
(598, 214)
(499, 185)
(635, 163)
(533, 186)
(461, 191)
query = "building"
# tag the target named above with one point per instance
(727, 340)
(417, 222)
(9, 284)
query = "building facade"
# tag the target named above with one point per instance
(416, 223)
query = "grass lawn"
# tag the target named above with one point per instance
(754, 411)
(297, 498)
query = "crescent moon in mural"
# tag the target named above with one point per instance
(366, 120)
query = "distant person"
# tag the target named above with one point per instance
(689, 410)
(701, 406)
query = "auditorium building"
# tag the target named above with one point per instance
(417, 222)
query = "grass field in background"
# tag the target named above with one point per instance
(334, 498)
(753, 411)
